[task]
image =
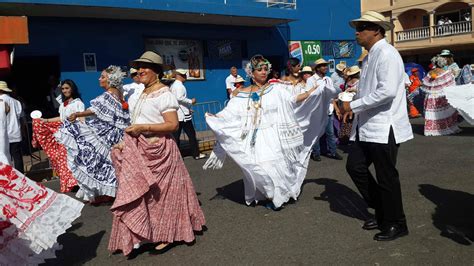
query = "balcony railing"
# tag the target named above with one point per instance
(438, 31)
(413, 34)
(452, 28)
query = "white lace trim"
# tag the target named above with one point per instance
(38, 241)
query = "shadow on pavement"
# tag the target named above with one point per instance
(233, 191)
(342, 199)
(76, 249)
(454, 213)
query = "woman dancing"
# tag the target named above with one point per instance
(269, 133)
(440, 118)
(44, 129)
(156, 201)
(89, 143)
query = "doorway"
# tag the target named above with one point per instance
(32, 78)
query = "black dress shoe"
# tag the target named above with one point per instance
(370, 224)
(316, 158)
(335, 156)
(391, 233)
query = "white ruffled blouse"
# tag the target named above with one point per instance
(148, 109)
(76, 105)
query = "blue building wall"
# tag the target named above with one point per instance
(119, 41)
(250, 8)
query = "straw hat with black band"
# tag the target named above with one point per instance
(181, 72)
(375, 18)
(352, 70)
(446, 53)
(320, 61)
(239, 79)
(147, 57)
(306, 70)
(340, 67)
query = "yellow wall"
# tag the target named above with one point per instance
(402, 5)
(408, 14)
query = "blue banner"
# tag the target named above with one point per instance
(343, 49)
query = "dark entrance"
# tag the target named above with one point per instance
(32, 79)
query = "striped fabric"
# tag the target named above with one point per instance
(155, 201)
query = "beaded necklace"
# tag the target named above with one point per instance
(257, 118)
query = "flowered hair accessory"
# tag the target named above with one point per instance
(257, 62)
(115, 76)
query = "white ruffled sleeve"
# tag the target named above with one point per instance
(78, 106)
(167, 102)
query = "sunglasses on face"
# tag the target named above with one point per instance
(365, 26)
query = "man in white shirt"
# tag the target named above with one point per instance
(133, 87)
(380, 125)
(338, 76)
(230, 81)
(184, 113)
(321, 68)
(13, 126)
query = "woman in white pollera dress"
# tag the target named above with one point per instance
(269, 133)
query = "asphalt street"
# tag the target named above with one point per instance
(323, 227)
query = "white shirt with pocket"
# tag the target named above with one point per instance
(380, 102)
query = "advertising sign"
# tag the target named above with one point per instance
(177, 53)
(306, 51)
(343, 49)
(224, 49)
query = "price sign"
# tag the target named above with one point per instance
(306, 51)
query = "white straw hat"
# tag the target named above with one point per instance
(340, 67)
(306, 69)
(148, 57)
(446, 52)
(321, 61)
(181, 71)
(373, 17)
(4, 86)
(239, 79)
(353, 70)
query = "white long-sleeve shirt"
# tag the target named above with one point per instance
(178, 89)
(315, 81)
(130, 89)
(13, 118)
(380, 102)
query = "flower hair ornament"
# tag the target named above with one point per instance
(115, 76)
(439, 61)
(257, 62)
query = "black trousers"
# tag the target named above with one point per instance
(17, 156)
(383, 194)
(191, 133)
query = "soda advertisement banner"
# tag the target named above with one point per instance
(178, 53)
(306, 51)
(343, 49)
